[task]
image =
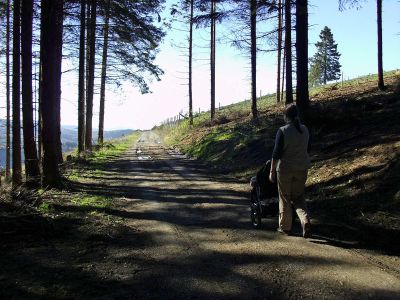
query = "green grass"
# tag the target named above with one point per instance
(95, 161)
(92, 201)
(45, 208)
(112, 149)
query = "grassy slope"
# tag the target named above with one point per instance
(355, 174)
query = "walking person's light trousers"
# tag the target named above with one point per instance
(291, 191)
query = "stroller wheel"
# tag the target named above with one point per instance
(255, 215)
(255, 212)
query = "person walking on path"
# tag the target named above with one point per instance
(290, 163)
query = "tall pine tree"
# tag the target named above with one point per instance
(325, 65)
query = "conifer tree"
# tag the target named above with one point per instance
(51, 48)
(31, 158)
(302, 96)
(325, 65)
(16, 90)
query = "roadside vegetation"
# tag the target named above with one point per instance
(74, 222)
(353, 184)
(50, 212)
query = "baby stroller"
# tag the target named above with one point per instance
(264, 196)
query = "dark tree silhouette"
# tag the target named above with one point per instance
(184, 12)
(31, 160)
(91, 68)
(103, 74)
(253, 57)
(51, 45)
(381, 84)
(16, 90)
(343, 4)
(8, 104)
(279, 56)
(191, 61)
(302, 96)
(81, 81)
(212, 55)
(288, 51)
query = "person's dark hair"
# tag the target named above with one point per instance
(292, 116)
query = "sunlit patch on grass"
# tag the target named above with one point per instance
(45, 208)
(92, 201)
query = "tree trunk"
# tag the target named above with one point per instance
(103, 76)
(278, 75)
(212, 59)
(51, 44)
(381, 84)
(325, 64)
(283, 66)
(40, 97)
(302, 96)
(90, 87)
(16, 105)
(8, 106)
(31, 160)
(190, 63)
(253, 38)
(288, 52)
(87, 59)
(81, 82)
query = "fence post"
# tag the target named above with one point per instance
(342, 79)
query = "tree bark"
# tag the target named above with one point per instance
(212, 59)
(381, 84)
(16, 105)
(87, 59)
(8, 105)
(81, 81)
(302, 96)
(325, 64)
(253, 38)
(103, 76)
(51, 44)
(190, 62)
(90, 87)
(31, 160)
(283, 69)
(278, 75)
(40, 97)
(288, 51)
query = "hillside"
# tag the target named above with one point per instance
(69, 138)
(353, 186)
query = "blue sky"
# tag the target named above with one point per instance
(354, 31)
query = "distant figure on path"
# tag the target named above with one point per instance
(290, 163)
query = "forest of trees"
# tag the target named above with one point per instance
(289, 39)
(124, 36)
(38, 35)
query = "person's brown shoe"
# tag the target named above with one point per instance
(307, 230)
(281, 231)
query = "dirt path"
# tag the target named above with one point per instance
(200, 244)
(186, 234)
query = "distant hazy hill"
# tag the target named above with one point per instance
(69, 137)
